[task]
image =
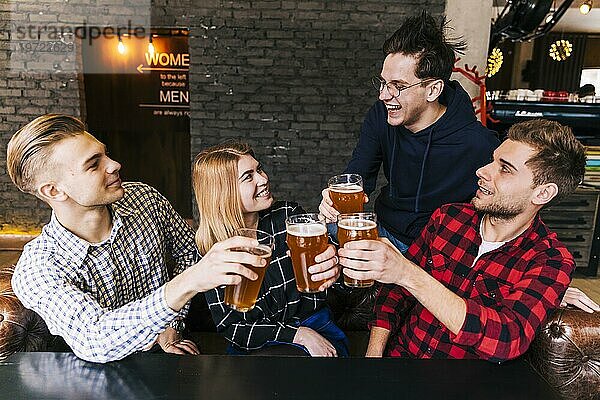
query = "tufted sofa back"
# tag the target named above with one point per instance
(352, 309)
(20, 328)
(566, 352)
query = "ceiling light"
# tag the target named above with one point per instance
(560, 50)
(494, 62)
(586, 6)
(121, 47)
(150, 46)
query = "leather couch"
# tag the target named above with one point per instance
(566, 352)
(20, 329)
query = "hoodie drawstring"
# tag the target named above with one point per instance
(425, 156)
(392, 169)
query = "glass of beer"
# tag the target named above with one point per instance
(346, 192)
(306, 238)
(242, 297)
(357, 226)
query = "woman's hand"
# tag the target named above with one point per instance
(326, 267)
(316, 344)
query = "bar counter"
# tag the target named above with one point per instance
(167, 376)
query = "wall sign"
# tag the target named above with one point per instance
(137, 102)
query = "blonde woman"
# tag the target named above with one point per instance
(232, 191)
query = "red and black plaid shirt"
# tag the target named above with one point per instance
(509, 292)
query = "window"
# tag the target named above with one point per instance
(591, 76)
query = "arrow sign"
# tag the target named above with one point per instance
(141, 69)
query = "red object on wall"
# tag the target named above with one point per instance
(473, 75)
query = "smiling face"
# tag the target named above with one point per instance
(253, 184)
(407, 109)
(506, 184)
(87, 176)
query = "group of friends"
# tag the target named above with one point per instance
(467, 269)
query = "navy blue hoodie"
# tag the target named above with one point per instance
(425, 169)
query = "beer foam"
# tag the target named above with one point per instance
(346, 188)
(357, 224)
(261, 250)
(305, 230)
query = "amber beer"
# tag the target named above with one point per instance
(306, 238)
(346, 192)
(242, 297)
(357, 226)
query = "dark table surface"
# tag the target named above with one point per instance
(165, 376)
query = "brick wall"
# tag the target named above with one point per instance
(32, 82)
(291, 77)
(39, 73)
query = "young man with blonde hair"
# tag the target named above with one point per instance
(97, 273)
(482, 277)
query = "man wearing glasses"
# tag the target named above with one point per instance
(424, 131)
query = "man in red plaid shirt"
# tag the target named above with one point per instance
(482, 277)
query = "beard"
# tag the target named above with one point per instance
(502, 209)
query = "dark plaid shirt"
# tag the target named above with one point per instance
(509, 292)
(279, 307)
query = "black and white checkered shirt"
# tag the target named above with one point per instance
(107, 299)
(279, 306)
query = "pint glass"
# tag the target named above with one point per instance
(242, 297)
(357, 226)
(306, 238)
(346, 192)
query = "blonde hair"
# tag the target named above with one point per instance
(29, 150)
(215, 181)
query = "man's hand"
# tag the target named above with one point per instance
(316, 344)
(171, 342)
(327, 267)
(326, 207)
(577, 298)
(381, 261)
(372, 259)
(220, 266)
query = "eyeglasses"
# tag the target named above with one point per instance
(393, 88)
